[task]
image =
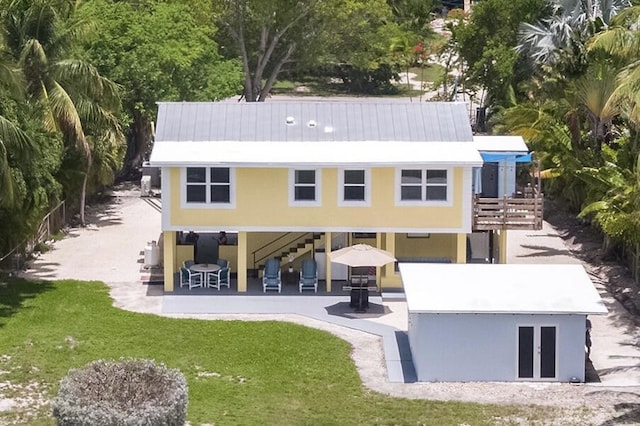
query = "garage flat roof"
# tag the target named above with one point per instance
(510, 288)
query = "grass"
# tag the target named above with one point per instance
(239, 373)
(431, 73)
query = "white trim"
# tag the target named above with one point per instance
(318, 187)
(367, 188)
(467, 199)
(231, 228)
(423, 203)
(537, 354)
(165, 197)
(314, 154)
(208, 205)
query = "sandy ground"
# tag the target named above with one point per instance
(110, 249)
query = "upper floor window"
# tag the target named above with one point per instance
(209, 185)
(424, 186)
(305, 187)
(354, 188)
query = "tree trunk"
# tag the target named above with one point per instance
(138, 145)
(83, 193)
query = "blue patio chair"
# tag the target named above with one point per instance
(309, 275)
(192, 279)
(188, 263)
(223, 263)
(222, 277)
(271, 279)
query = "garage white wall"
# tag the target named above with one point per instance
(483, 347)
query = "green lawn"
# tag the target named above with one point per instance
(239, 373)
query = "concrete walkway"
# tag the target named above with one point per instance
(111, 250)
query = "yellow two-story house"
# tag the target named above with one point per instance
(295, 180)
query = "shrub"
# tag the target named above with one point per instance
(125, 393)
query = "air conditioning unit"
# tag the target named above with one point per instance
(145, 186)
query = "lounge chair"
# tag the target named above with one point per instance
(309, 275)
(271, 279)
(192, 279)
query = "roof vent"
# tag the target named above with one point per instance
(290, 121)
(312, 124)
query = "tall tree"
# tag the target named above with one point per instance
(73, 96)
(156, 51)
(485, 43)
(267, 35)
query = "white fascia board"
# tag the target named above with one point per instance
(501, 144)
(314, 154)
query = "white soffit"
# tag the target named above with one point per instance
(500, 143)
(504, 288)
(275, 154)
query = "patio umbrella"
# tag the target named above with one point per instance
(361, 255)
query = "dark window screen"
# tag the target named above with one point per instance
(525, 352)
(548, 352)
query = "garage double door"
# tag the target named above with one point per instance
(537, 352)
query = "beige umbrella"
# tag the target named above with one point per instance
(361, 255)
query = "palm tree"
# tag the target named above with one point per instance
(561, 39)
(13, 141)
(75, 98)
(622, 41)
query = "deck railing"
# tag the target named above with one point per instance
(490, 214)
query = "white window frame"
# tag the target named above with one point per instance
(423, 185)
(208, 204)
(367, 188)
(292, 188)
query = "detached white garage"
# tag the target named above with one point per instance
(479, 322)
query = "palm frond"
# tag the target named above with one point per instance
(66, 116)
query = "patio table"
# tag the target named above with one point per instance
(205, 269)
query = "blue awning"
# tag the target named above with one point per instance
(497, 157)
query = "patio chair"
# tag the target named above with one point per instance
(220, 278)
(192, 279)
(271, 279)
(223, 263)
(188, 263)
(309, 275)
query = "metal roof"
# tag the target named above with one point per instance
(305, 121)
(499, 289)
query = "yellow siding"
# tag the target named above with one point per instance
(262, 198)
(436, 246)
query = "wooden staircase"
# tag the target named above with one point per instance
(291, 251)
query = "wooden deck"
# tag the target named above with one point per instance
(490, 214)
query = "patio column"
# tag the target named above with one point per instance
(169, 258)
(503, 246)
(461, 248)
(390, 246)
(242, 262)
(379, 269)
(327, 250)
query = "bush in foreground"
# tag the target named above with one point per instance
(125, 393)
